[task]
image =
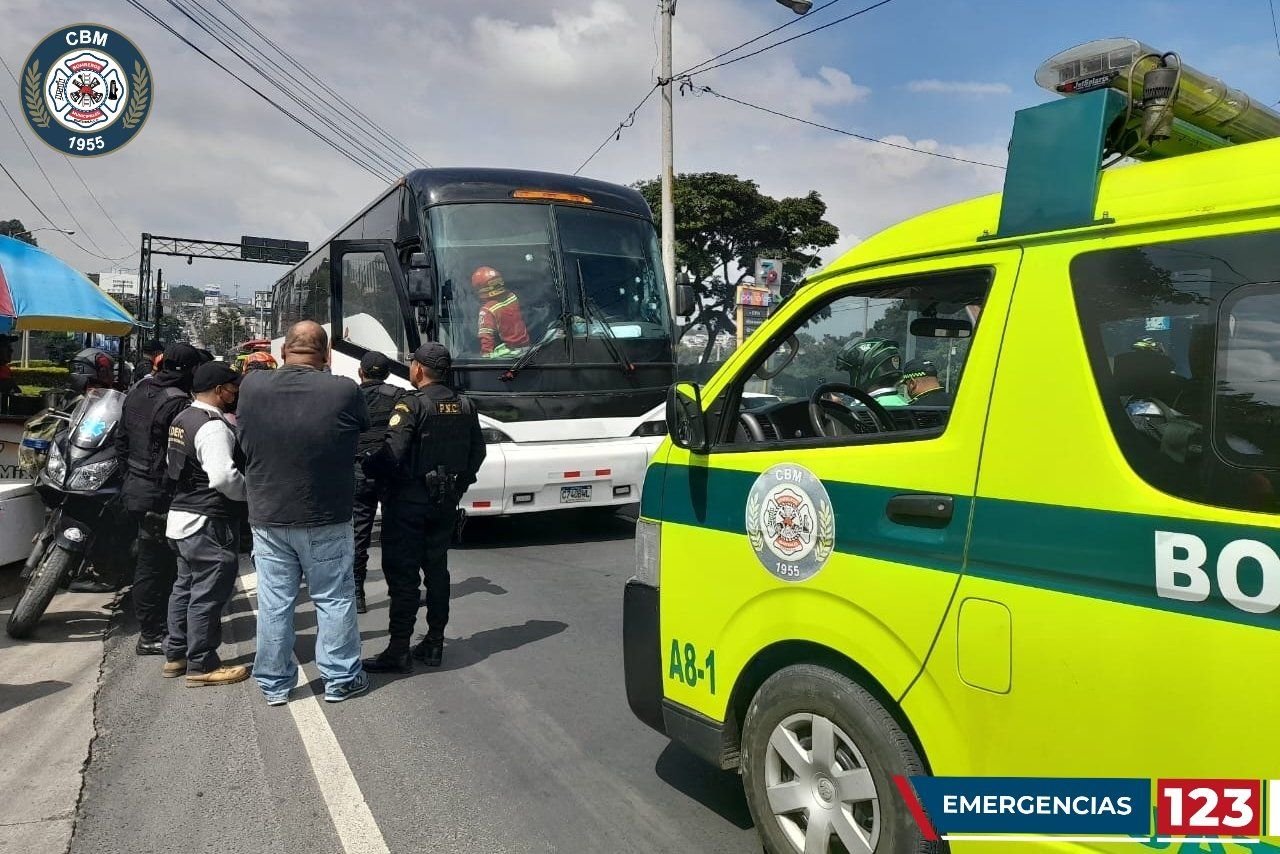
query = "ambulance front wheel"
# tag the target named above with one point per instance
(819, 755)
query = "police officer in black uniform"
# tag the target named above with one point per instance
(432, 452)
(379, 397)
(149, 408)
(920, 378)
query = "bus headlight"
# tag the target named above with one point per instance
(648, 552)
(493, 436)
(652, 428)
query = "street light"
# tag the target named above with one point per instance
(668, 8)
(18, 234)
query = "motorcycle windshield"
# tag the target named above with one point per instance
(95, 418)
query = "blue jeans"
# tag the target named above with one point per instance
(324, 554)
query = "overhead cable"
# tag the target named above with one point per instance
(387, 171)
(404, 148)
(255, 90)
(708, 90)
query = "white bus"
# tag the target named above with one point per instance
(564, 342)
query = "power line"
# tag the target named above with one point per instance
(312, 77)
(616, 133)
(72, 164)
(1275, 31)
(255, 90)
(101, 253)
(795, 20)
(769, 47)
(387, 171)
(710, 91)
(396, 162)
(49, 219)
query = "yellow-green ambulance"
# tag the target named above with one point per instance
(1062, 557)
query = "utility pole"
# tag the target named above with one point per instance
(667, 9)
(668, 214)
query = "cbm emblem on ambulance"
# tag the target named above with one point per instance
(86, 90)
(790, 523)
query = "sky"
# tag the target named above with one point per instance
(540, 83)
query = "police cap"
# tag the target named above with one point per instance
(210, 375)
(433, 355)
(375, 366)
(180, 358)
(917, 368)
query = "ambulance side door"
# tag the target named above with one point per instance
(814, 516)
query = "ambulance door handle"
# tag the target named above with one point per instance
(921, 510)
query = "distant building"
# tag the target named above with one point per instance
(117, 283)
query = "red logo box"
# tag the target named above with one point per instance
(1208, 807)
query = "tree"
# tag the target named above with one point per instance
(724, 223)
(170, 329)
(13, 228)
(185, 293)
(225, 330)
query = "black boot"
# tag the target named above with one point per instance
(92, 584)
(430, 651)
(394, 659)
(150, 646)
(361, 607)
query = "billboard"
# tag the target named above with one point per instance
(273, 251)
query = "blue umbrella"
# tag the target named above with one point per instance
(40, 292)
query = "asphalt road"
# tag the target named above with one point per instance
(522, 742)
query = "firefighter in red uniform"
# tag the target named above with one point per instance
(501, 327)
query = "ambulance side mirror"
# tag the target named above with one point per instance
(686, 422)
(418, 281)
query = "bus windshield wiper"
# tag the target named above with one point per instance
(611, 341)
(519, 364)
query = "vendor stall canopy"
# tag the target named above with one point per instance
(38, 292)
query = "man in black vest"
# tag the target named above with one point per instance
(204, 528)
(150, 406)
(379, 397)
(431, 455)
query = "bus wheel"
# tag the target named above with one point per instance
(819, 755)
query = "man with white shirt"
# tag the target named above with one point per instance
(204, 528)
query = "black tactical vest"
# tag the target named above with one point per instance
(147, 439)
(444, 436)
(379, 399)
(193, 492)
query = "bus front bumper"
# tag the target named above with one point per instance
(526, 477)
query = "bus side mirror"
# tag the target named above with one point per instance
(418, 281)
(686, 422)
(684, 300)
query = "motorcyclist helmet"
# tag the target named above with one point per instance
(90, 368)
(872, 363)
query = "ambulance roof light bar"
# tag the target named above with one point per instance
(1197, 99)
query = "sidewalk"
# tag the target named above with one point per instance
(47, 687)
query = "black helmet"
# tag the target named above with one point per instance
(872, 363)
(91, 366)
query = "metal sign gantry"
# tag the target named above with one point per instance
(255, 250)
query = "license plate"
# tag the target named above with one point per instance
(574, 494)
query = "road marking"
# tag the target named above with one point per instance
(357, 830)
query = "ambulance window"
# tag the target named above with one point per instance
(1184, 341)
(876, 359)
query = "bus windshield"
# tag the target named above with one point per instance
(515, 276)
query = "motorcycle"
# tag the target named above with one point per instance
(79, 483)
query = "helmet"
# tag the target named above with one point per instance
(487, 279)
(91, 366)
(257, 361)
(872, 363)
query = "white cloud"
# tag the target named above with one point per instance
(533, 85)
(959, 87)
